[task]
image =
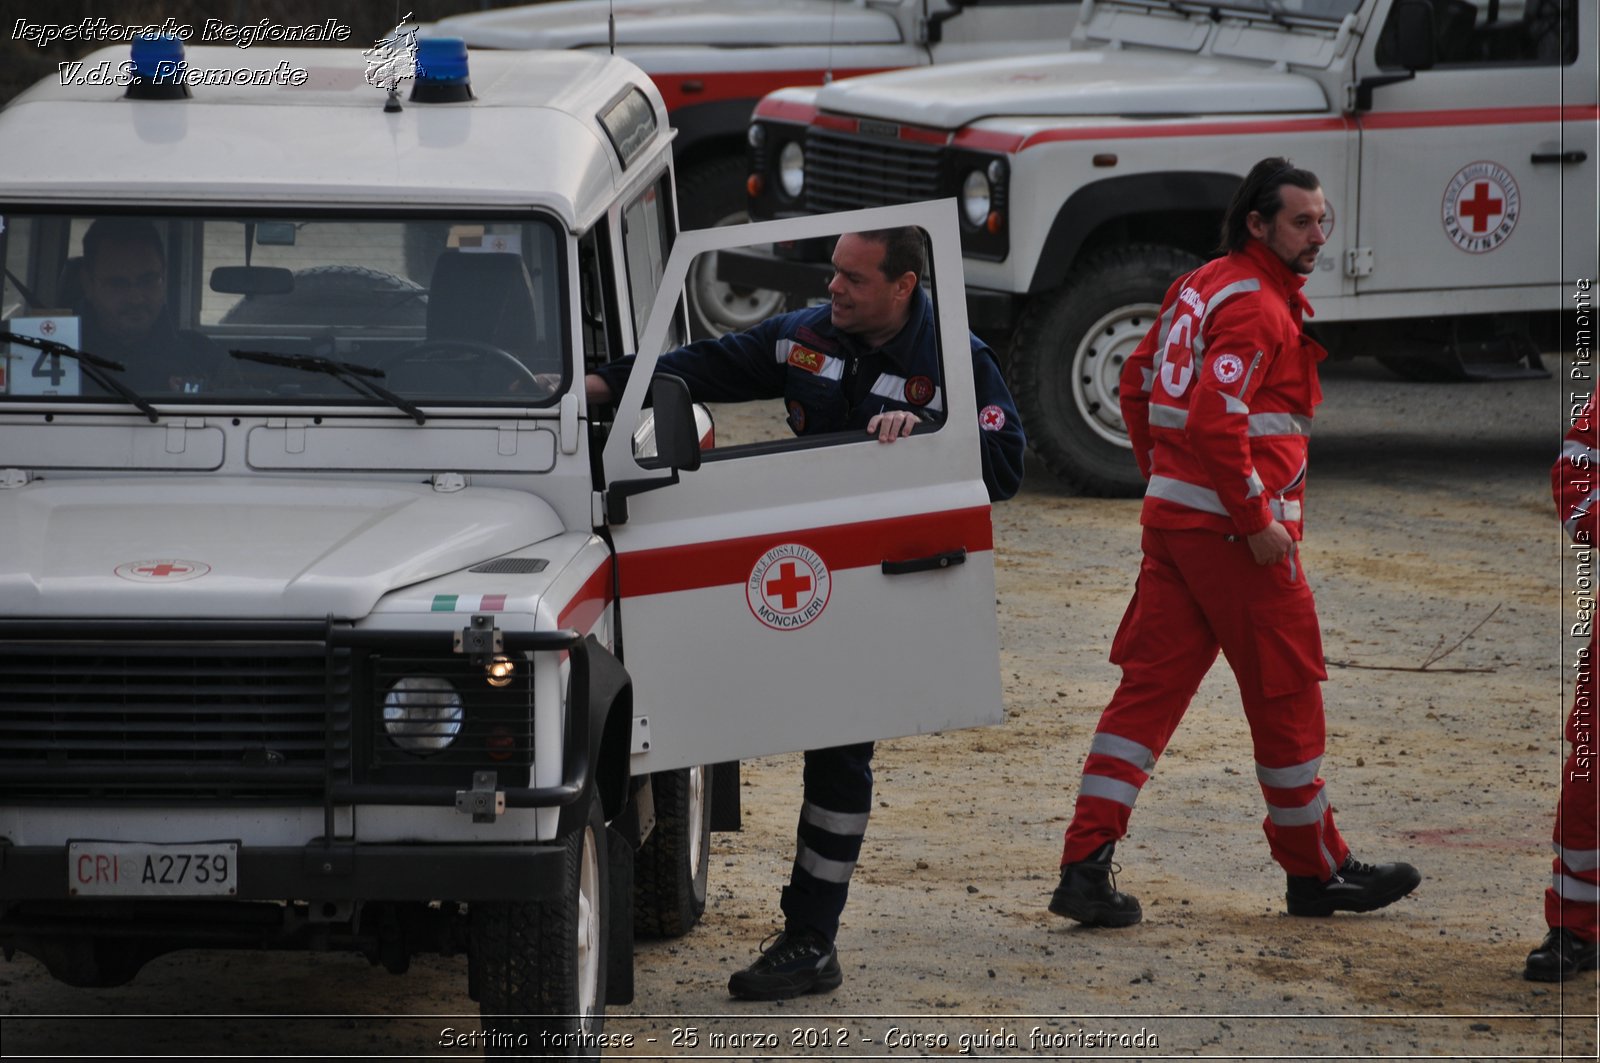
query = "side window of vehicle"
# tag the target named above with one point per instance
(647, 237)
(597, 304)
(807, 378)
(1495, 33)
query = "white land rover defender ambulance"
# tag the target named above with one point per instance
(1456, 142)
(714, 59)
(331, 615)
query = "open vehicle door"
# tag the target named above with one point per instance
(804, 592)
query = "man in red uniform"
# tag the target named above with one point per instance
(1572, 903)
(1218, 401)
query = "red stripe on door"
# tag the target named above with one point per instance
(681, 568)
(1479, 116)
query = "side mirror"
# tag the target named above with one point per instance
(1415, 47)
(677, 435)
(252, 280)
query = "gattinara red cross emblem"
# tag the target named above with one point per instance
(162, 570)
(789, 587)
(1481, 207)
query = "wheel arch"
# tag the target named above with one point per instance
(711, 130)
(1179, 208)
(610, 728)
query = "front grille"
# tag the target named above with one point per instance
(845, 172)
(229, 720)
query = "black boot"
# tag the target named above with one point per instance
(1355, 887)
(1088, 892)
(1561, 955)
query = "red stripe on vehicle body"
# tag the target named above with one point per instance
(583, 611)
(788, 110)
(1190, 129)
(1012, 143)
(681, 568)
(1479, 116)
(686, 90)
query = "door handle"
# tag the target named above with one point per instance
(1566, 158)
(957, 556)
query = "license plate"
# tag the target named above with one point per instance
(144, 869)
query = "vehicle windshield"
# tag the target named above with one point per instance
(1269, 10)
(294, 310)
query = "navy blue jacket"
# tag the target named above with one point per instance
(830, 381)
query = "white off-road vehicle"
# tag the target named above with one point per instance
(713, 59)
(332, 616)
(1457, 144)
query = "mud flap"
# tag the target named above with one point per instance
(725, 812)
(619, 929)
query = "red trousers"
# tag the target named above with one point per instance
(1573, 899)
(1199, 592)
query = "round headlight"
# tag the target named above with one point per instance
(422, 713)
(975, 197)
(792, 169)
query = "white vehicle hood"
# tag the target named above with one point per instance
(245, 550)
(713, 23)
(1097, 82)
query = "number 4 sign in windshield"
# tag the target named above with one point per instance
(31, 372)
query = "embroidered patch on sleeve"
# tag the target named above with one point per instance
(805, 358)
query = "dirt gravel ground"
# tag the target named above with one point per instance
(1428, 511)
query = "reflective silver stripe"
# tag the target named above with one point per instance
(1578, 859)
(1253, 485)
(1248, 285)
(852, 824)
(1572, 889)
(1186, 494)
(1278, 424)
(821, 867)
(1254, 362)
(1168, 416)
(1303, 816)
(832, 368)
(1233, 404)
(1294, 775)
(1124, 749)
(1111, 789)
(1203, 498)
(889, 386)
(1147, 377)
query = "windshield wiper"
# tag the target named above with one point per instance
(355, 377)
(94, 367)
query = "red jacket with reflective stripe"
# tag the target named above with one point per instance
(1218, 398)
(1573, 478)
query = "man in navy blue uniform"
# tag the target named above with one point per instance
(868, 361)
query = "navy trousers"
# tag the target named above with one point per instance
(833, 820)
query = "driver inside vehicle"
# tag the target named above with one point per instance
(126, 316)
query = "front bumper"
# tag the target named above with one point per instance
(339, 872)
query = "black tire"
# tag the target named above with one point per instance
(671, 868)
(539, 969)
(333, 295)
(712, 194)
(1067, 357)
